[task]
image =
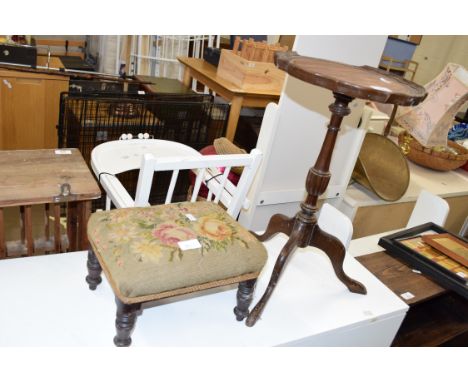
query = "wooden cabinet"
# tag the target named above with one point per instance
(437, 317)
(29, 109)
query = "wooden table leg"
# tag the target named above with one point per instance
(3, 250)
(57, 230)
(28, 230)
(84, 211)
(22, 230)
(234, 113)
(187, 77)
(47, 221)
(72, 225)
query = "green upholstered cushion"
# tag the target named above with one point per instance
(138, 247)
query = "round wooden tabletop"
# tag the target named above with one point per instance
(354, 81)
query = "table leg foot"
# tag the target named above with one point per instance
(335, 250)
(125, 322)
(287, 250)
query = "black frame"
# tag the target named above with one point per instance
(435, 271)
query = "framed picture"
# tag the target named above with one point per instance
(450, 246)
(410, 246)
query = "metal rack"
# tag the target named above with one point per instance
(89, 119)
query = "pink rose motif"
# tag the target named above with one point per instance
(171, 234)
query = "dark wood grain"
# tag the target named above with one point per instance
(57, 228)
(303, 229)
(244, 298)
(353, 81)
(442, 321)
(436, 316)
(28, 230)
(346, 82)
(72, 226)
(400, 278)
(47, 221)
(125, 322)
(94, 271)
(84, 212)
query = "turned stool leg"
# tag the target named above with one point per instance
(125, 322)
(94, 271)
(244, 298)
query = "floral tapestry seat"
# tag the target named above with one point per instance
(139, 250)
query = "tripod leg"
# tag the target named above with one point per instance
(287, 250)
(278, 223)
(336, 252)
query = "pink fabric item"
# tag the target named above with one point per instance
(210, 150)
(430, 121)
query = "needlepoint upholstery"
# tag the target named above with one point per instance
(139, 252)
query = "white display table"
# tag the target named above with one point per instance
(46, 302)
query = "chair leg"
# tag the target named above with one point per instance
(244, 298)
(125, 322)
(94, 271)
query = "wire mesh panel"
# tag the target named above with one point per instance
(87, 120)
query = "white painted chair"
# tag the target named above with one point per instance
(220, 189)
(336, 223)
(464, 229)
(428, 208)
(116, 157)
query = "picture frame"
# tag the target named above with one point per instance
(449, 245)
(408, 246)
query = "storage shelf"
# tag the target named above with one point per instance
(435, 323)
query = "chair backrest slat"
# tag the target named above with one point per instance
(206, 168)
(170, 191)
(198, 182)
(145, 180)
(223, 183)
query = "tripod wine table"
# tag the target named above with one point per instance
(346, 82)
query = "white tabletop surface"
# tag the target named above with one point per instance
(46, 302)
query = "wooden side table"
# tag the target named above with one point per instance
(436, 315)
(346, 82)
(50, 177)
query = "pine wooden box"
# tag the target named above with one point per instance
(249, 75)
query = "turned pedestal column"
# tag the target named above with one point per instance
(346, 82)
